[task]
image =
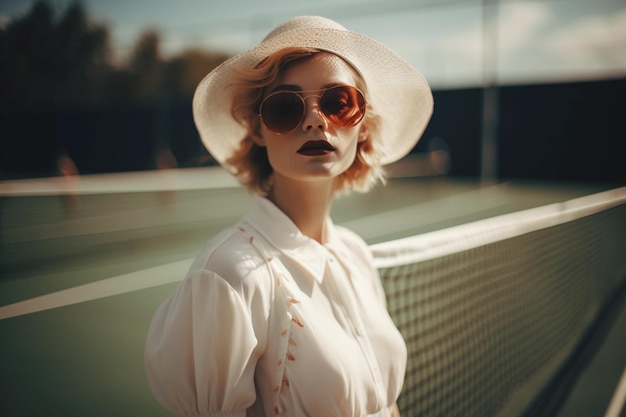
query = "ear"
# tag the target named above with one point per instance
(255, 132)
(257, 138)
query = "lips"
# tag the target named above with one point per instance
(316, 147)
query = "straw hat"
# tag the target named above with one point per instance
(400, 95)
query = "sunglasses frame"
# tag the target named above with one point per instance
(303, 95)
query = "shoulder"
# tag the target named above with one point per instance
(362, 261)
(237, 256)
(355, 248)
(352, 241)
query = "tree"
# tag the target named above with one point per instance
(187, 69)
(28, 60)
(146, 67)
(45, 62)
(62, 94)
(84, 56)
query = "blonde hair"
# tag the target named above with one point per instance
(250, 163)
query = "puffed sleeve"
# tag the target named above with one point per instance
(201, 349)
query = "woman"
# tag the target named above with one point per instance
(284, 313)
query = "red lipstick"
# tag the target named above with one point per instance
(316, 148)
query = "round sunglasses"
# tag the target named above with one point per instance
(283, 111)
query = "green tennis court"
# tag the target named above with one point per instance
(83, 272)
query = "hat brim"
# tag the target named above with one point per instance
(396, 90)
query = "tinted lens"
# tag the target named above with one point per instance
(282, 112)
(343, 105)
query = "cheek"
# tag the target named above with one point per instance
(349, 150)
(353, 152)
(278, 150)
(350, 139)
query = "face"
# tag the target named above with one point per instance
(316, 149)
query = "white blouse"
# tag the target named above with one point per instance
(269, 322)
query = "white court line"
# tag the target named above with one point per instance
(126, 182)
(467, 236)
(198, 178)
(619, 398)
(133, 281)
(426, 246)
(121, 284)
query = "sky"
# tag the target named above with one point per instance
(454, 43)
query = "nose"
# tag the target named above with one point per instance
(313, 117)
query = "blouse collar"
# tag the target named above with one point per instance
(282, 233)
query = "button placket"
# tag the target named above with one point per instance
(349, 307)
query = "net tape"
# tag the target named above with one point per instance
(490, 309)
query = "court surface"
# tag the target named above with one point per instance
(84, 265)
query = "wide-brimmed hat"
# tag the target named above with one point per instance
(395, 90)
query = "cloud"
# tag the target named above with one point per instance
(594, 43)
(521, 30)
(520, 25)
(536, 42)
(458, 55)
(451, 55)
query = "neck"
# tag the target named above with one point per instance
(306, 203)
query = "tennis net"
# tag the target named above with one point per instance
(492, 310)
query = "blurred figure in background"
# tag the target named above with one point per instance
(70, 177)
(284, 313)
